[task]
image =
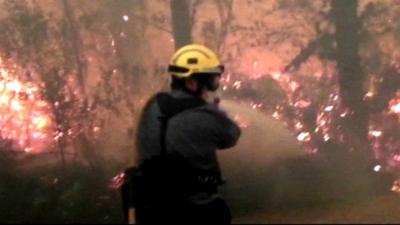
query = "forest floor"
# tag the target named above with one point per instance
(383, 209)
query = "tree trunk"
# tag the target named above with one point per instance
(76, 44)
(86, 147)
(351, 77)
(181, 24)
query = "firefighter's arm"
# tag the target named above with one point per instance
(229, 134)
(226, 132)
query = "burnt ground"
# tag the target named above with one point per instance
(383, 209)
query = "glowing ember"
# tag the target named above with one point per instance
(299, 126)
(377, 168)
(117, 181)
(276, 115)
(329, 108)
(58, 135)
(375, 133)
(322, 122)
(255, 105)
(25, 119)
(395, 108)
(276, 75)
(326, 137)
(294, 85)
(96, 129)
(370, 94)
(256, 71)
(302, 104)
(396, 186)
(39, 122)
(237, 85)
(312, 151)
(304, 137)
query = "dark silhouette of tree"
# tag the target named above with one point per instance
(351, 77)
(181, 23)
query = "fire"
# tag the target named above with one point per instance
(327, 137)
(25, 118)
(377, 168)
(318, 115)
(304, 137)
(395, 108)
(40, 122)
(396, 186)
(16, 105)
(294, 85)
(276, 115)
(237, 84)
(299, 125)
(370, 94)
(329, 108)
(14, 86)
(375, 133)
(394, 104)
(255, 105)
(117, 181)
(276, 75)
(302, 104)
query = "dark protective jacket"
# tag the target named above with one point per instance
(195, 133)
(159, 188)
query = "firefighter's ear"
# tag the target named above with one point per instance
(192, 84)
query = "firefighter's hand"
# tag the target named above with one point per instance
(216, 101)
(132, 216)
(212, 98)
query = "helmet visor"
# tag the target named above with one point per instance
(214, 70)
(211, 70)
(177, 69)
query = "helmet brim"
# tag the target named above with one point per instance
(173, 69)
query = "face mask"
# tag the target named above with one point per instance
(212, 83)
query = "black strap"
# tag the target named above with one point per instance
(170, 107)
(163, 133)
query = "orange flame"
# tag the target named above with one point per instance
(25, 118)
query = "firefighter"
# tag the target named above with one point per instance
(195, 129)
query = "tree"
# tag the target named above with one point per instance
(351, 76)
(60, 45)
(181, 22)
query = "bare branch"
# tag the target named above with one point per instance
(307, 52)
(148, 22)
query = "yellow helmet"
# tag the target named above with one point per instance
(194, 59)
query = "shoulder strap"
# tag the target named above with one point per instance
(170, 107)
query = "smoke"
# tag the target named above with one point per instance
(269, 169)
(247, 167)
